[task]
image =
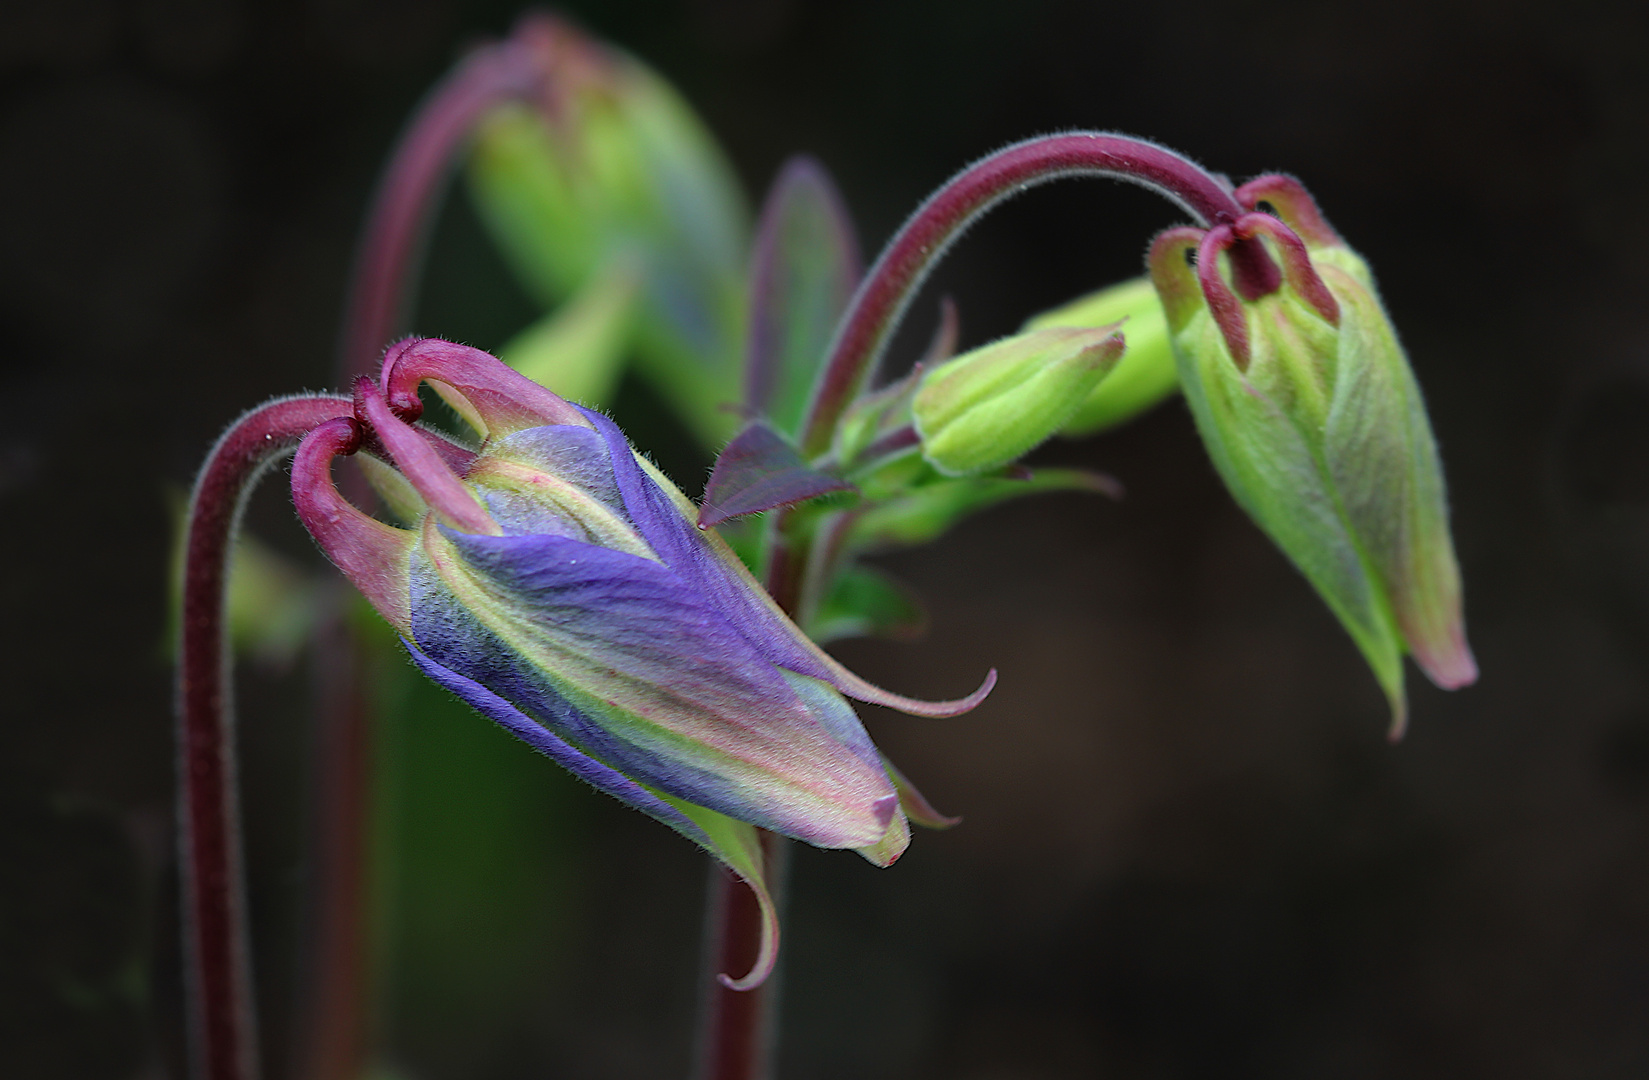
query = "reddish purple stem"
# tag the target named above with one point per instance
(887, 290)
(403, 206)
(217, 964)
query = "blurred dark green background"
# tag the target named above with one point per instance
(1188, 853)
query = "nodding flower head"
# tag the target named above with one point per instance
(1311, 414)
(556, 581)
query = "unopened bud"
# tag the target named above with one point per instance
(1144, 376)
(989, 407)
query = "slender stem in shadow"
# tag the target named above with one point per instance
(738, 1028)
(334, 1009)
(217, 964)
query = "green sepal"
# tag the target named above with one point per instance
(925, 513)
(737, 846)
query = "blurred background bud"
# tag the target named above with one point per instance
(613, 167)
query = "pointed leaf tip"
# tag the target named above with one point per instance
(759, 471)
(804, 267)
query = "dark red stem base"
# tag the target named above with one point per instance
(217, 966)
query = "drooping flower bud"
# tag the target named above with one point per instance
(989, 407)
(557, 582)
(1144, 376)
(1311, 414)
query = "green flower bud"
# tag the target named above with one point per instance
(1145, 375)
(1312, 416)
(989, 407)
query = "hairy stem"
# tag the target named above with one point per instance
(863, 334)
(217, 967)
(403, 208)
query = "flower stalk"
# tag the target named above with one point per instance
(922, 241)
(217, 963)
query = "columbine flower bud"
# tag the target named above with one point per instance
(557, 582)
(1313, 418)
(1144, 376)
(989, 407)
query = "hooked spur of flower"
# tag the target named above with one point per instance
(1314, 420)
(557, 582)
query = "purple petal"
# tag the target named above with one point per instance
(759, 471)
(715, 573)
(592, 772)
(619, 657)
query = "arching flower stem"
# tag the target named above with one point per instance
(217, 966)
(875, 311)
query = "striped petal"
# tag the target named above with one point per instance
(623, 660)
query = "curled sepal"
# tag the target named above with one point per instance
(1144, 377)
(759, 470)
(989, 407)
(738, 847)
(494, 399)
(372, 555)
(915, 804)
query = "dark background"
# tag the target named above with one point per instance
(1189, 851)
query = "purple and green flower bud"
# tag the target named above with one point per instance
(612, 166)
(989, 407)
(1144, 377)
(558, 583)
(1312, 416)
